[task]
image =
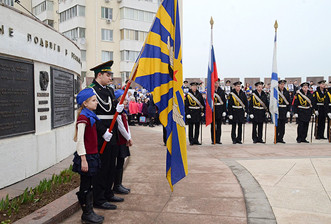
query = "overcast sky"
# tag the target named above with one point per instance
(244, 33)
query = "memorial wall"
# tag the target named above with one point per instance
(39, 77)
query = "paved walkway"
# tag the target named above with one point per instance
(250, 183)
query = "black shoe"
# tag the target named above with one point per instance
(86, 202)
(280, 141)
(298, 141)
(261, 141)
(239, 142)
(305, 141)
(115, 199)
(128, 189)
(255, 141)
(120, 190)
(106, 206)
(220, 143)
(234, 142)
(197, 143)
(191, 143)
(323, 138)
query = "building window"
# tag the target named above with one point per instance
(7, 2)
(75, 33)
(83, 55)
(77, 10)
(139, 15)
(138, 35)
(106, 35)
(106, 13)
(129, 55)
(106, 56)
(49, 22)
(125, 75)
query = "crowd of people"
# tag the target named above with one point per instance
(238, 104)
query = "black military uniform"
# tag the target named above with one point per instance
(102, 188)
(318, 102)
(220, 110)
(283, 112)
(303, 108)
(257, 111)
(327, 103)
(237, 112)
(193, 113)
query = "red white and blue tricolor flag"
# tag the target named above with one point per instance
(273, 107)
(212, 78)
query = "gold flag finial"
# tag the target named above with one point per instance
(211, 22)
(276, 26)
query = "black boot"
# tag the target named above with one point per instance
(86, 202)
(118, 187)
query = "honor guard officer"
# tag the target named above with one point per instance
(105, 111)
(220, 112)
(318, 102)
(303, 109)
(327, 103)
(237, 107)
(258, 111)
(194, 110)
(283, 110)
(186, 88)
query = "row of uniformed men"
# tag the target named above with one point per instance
(304, 104)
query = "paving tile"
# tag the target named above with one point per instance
(166, 218)
(289, 216)
(233, 207)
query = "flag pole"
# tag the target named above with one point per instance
(275, 131)
(214, 124)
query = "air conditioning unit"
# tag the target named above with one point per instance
(108, 21)
(107, 1)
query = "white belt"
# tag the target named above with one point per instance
(259, 108)
(105, 117)
(329, 104)
(320, 104)
(239, 107)
(282, 105)
(217, 104)
(195, 108)
(302, 107)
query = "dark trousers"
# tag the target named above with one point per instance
(85, 183)
(302, 130)
(164, 135)
(280, 130)
(257, 135)
(193, 139)
(321, 125)
(218, 131)
(328, 128)
(103, 182)
(237, 137)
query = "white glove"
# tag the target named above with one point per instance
(224, 114)
(202, 114)
(267, 115)
(251, 116)
(295, 115)
(107, 135)
(288, 114)
(316, 112)
(329, 114)
(188, 116)
(119, 108)
(230, 117)
(245, 115)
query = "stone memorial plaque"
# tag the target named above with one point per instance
(16, 97)
(62, 95)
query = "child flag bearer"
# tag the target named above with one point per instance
(86, 158)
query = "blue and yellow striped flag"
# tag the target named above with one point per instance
(159, 70)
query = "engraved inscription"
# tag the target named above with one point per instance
(62, 98)
(16, 97)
